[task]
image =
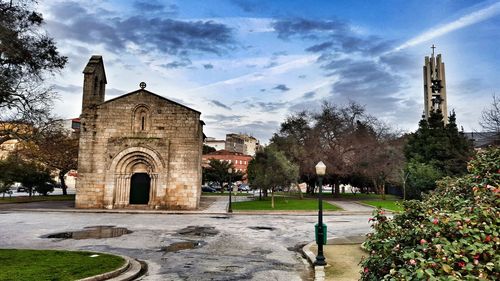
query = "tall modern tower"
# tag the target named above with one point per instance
(435, 86)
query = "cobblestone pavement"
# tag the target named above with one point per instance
(237, 247)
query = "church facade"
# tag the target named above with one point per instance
(139, 150)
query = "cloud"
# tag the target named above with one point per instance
(112, 92)
(248, 6)
(262, 130)
(464, 21)
(309, 95)
(306, 28)
(219, 104)
(148, 6)
(281, 87)
(177, 64)
(219, 118)
(320, 47)
(168, 36)
(208, 66)
(72, 89)
(270, 106)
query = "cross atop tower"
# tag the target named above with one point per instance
(433, 47)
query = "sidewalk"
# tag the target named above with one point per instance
(351, 206)
(209, 205)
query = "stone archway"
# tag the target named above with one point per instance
(122, 173)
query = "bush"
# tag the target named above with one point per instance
(453, 234)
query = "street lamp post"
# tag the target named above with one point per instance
(230, 209)
(320, 172)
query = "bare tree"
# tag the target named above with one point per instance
(490, 118)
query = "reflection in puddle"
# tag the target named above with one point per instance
(92, 232)
(179, 246)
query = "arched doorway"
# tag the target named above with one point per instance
(139, 188)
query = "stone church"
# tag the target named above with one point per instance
(139, 150)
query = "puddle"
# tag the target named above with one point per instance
(179, 246)
(220, 217)
(92, 232)
(199, 231)
(262, 228)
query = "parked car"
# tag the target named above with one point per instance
(243, 187)
(205, 188)
(216, 187)
(22, 189)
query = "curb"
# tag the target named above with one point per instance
(129, 271)
(319, 271)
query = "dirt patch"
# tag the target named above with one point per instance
(343, 261)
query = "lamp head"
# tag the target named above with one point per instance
(320, 168)
(230, 170)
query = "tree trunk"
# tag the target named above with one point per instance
(272, 198)
(63, 182)
(260, 194)
(375, 187)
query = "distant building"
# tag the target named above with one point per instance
(242, 143)
(239, 160)
(434, 86)
(483, 139)
(217, 144)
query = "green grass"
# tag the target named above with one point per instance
(36, 198)
(283, 203)
(20, 265)
(385, 204)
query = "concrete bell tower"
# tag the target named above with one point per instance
(435, 86)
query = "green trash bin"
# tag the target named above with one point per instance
(316, 233)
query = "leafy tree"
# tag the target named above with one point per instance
(7, 174)
(439, 146)
(217, 171)
(451, 235)
(271, 169)
(421, 178)
(207, 149)
(31, 174)
(293, 139)
(35, 177)
(56, 150)
(27, 54)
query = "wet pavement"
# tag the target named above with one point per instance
(186, 247)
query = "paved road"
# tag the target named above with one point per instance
(238, 247)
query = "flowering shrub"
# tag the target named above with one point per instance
(453, 234)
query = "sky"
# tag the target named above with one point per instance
(247, 65)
